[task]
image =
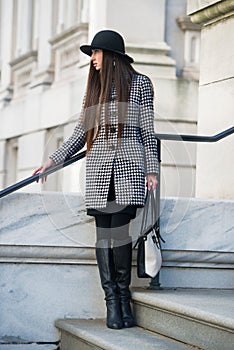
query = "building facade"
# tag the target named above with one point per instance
(47, 242)
(43, 78)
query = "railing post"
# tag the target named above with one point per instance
(155, 284)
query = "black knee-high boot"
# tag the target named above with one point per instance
(122, 254)
(106, 268)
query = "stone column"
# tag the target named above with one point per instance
(43, 76)
(24, 27)
(143, 30)
(6, 50)
(2, 163)
(215, 166)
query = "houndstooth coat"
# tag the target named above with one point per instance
(130, 160)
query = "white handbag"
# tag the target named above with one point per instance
(149, 257)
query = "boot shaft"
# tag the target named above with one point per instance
(122, 256)
(105, 262)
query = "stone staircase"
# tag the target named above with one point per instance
(167, 319)
(92, 334)
(49, 272)
(203, 318)
(194, 309)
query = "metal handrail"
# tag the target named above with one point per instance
(154, 283)
(38, 176)
(196, 138)
(170, 137)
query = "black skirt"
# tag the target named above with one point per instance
(112, 207)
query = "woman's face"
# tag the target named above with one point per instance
(96, 58)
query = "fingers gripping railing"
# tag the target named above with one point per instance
(172, 137)
(38, 176)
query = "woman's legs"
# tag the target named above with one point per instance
(122, 255)
(113, 227)
(103, 224)
(104, 254)
(115, 267)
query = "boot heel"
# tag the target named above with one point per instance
(127, 317)
(113, 319)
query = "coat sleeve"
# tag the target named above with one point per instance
(147, 126)
(74, 144)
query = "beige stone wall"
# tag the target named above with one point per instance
(215, 165)
(43, 78)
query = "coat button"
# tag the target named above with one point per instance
(112, 129)
(112, 147)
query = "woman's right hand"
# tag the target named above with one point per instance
(45, 166)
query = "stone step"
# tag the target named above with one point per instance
(28, 346)
(94, 335)
(203, 318)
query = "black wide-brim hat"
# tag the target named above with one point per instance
(107, 40)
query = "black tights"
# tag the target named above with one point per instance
(113, 227)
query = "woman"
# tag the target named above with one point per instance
(117, 125)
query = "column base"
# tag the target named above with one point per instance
(155, 58)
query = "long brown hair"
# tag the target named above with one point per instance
(116, 71)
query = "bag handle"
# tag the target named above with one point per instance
(150, 202)
(145, 211)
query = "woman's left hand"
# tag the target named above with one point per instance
(151, 181)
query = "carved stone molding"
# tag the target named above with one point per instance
(211, 12)
(6, 94)
(23, 68)
(43, 78)
(191, 47)
(74, 255)
(66, 53)
(185, 23)
(155, 56)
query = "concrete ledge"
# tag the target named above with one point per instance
(197, 224)
(55, 230)
(23, 254)
(33, 296)
(192, 258)
(28, 347)
(47, 255)
(93, 334)
(210, 11)
(46, 219)
(198, 304)
(199, 317)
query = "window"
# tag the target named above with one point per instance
(11, 161)
(54, 139)
(69, 31)
(67, 13)
(25, 42)
(24, 21)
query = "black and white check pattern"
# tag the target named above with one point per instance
(131, 159)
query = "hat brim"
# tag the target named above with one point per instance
(87, 49)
